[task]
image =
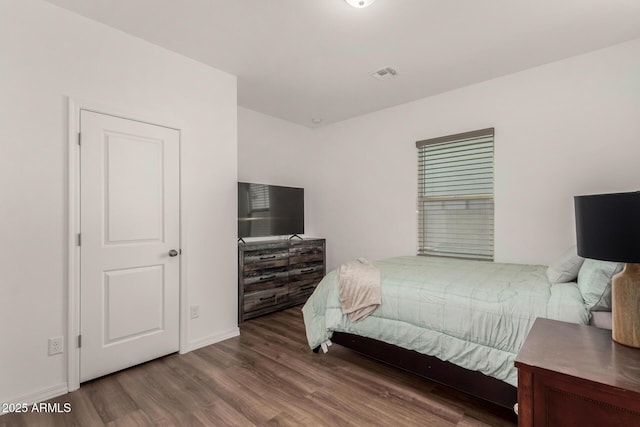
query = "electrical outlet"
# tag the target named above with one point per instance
(195, 311)
(56, 345)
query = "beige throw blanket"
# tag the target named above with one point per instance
(359, 288)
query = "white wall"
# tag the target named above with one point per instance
(49, 54)
(277, 152)
(562, 129)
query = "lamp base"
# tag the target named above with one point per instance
(625, 306)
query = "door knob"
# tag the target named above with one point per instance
(173, 253)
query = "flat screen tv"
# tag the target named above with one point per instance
(269, 210)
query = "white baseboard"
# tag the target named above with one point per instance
(39, 396)
(211, 339)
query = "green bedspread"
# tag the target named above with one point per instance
(475, 314)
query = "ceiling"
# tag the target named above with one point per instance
(305, 59)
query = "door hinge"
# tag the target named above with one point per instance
(79, 138)
(79, 239)
(79, 341)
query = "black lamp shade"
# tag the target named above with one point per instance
(608, 226)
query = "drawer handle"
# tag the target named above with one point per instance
(308, 270)
(268, 257)
(266, 298)
(262, 279)
(306, 288)
(279, 286)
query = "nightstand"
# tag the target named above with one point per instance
(575, 375)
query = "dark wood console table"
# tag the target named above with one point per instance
(575, 375)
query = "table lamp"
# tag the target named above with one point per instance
(608, 229)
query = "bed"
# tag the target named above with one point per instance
(458, 322)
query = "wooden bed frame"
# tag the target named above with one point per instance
(432, 368)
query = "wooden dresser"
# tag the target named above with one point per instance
(276, 274)
(575, 375)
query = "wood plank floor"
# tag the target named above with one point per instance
(266, 377)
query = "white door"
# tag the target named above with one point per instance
(130, 237)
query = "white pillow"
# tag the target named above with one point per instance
(566, 267)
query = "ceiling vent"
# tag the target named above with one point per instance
(384, 73)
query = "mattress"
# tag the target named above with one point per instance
(475, 314)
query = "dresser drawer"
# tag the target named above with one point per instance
(268, 258)
(303, 271)
(306, 253)
(266, 276)
(261, 299)
(303, 286)
(301, 291)
(305, 280)
(267, 284)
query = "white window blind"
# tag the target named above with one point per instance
(455, 195)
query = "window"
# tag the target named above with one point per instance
(455, 195)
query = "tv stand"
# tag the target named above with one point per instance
(295, 235)
(277, 274)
